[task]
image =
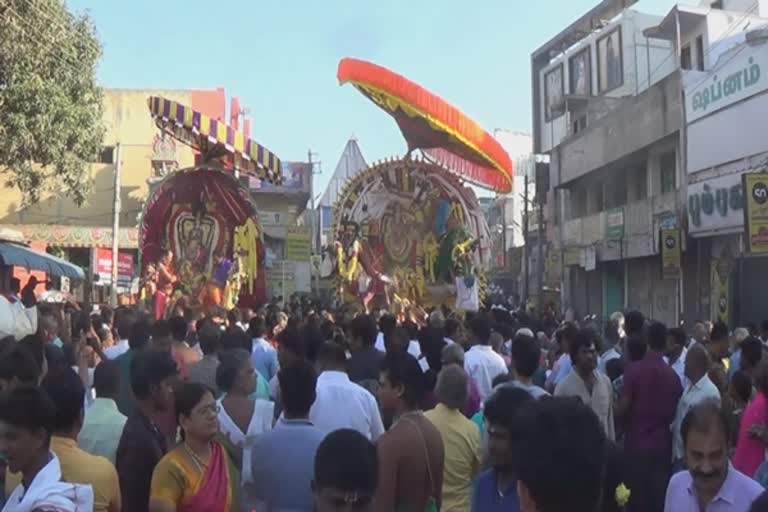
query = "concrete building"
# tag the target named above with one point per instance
(505, 214)
(726, 108)
(608, 111)
(83, 234)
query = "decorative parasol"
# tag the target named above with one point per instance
(204, 134)
(431, 124)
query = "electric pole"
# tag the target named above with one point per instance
(526, 213)
(117, 207)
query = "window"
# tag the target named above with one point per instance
(107, 155)
(610, 66)
(554, 93)
(598, 199)
(700, 53)
(667, 169)
(685, 57)
(616, 189)
(638, 183)
(578, 124)
(580, 73)
(578, 202)
(717, 4)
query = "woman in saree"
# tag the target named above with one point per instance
(198, 475)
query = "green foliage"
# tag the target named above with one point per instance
(51, 122)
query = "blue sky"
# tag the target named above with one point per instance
(280, 58)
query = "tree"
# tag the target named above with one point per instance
(51, 122)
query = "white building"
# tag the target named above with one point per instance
(608, 110)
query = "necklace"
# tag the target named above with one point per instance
(199, 462)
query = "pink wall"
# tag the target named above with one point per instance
(212, 103)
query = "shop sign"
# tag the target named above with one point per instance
(298, 244)
(103, 268)
(571, 256)
(756, 212)
(614, 224)
(742, 76)
(670, 254)
(715, 204)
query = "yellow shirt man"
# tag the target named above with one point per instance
(80, 467)
(461, 439)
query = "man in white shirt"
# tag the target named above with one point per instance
(481, 363)
(387, 324)
(699, 390)
(563, 365)
(676, 353)
(124, 320)
(593, 388)
(339, 402)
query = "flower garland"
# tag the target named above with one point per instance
(622, 495)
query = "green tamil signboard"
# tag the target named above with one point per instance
(614, 224)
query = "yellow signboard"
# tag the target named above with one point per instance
(755, 190)
(298, 244)
(670, 254)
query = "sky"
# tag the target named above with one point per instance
(280, 58)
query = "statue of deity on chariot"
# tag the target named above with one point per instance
(410, 232)
(201, 243)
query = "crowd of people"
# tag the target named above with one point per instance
(312, 409)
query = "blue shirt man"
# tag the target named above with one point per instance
(282, 460)
(264, 358)
(487, 497)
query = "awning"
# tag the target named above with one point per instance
(431, 124)
(13, 254)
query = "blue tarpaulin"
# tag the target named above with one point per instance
(14, 254)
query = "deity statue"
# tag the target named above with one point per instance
(212, 295)
(359, 277)
(456, 234)
(166, 279)
(234, 283)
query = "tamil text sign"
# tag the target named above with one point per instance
(614, 224)
(298, 245)
(742, 75)
(755, 187)
(670, 254)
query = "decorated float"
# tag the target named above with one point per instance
(201, 243)
(410, 231)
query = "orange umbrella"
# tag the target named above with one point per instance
(431, 124)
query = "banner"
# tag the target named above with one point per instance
(670, 254)
(614, 224)
(298, 244)
(102, 266)
(295, 178)
(755, 187)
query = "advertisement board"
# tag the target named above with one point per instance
(102, 266)
(670, 254)
(755, 188)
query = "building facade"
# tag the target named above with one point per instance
(609, 113)
(725, 111)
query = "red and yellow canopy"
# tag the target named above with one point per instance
(198, 130)
(431, 124)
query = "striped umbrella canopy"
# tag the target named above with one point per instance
(432, 125)
(204, 134)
